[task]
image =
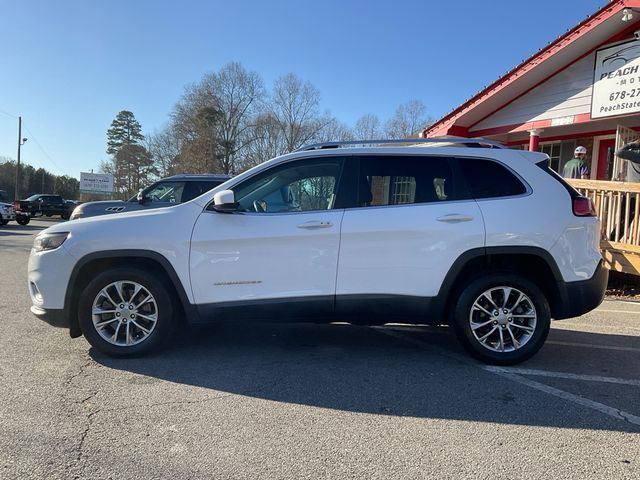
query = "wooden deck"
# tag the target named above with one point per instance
(618, 206)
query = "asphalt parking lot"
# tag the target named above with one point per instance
(313, 401)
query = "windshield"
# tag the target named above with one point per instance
(33, 197)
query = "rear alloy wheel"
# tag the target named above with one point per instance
(23, 219)
(125, 312)
(502, 319)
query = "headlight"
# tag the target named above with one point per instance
(49, 241)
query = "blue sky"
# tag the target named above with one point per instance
(67, 67)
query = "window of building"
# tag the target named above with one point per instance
(552, 149)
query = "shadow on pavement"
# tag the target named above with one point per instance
(360, 369)
(18, 229)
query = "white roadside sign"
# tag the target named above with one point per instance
(96, 183)
(616, 80)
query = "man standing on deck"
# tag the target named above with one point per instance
(577, 167)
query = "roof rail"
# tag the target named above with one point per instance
(467, 142)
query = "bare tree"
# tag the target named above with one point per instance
(294, 106)
(164, 148)
(193, 123)
(240, 94)
(368, 127)
(408, 120)
(332, 130)
(213, 119)
(268, 140)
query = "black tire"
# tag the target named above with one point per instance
(164, 312)
(23, 220)
(48, 214)
(533, 339)
(65, 216)
(3, 221)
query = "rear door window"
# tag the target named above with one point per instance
(401, 180)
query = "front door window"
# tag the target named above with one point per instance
(302, 186)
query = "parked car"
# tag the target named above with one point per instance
(7, 212)
(164, 193)
(488, 240)
(39, 205)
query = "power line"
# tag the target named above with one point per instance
(8, 114)
(33, 137)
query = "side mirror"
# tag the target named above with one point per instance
(225, 201)
(140, 197)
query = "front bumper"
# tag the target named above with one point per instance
(56, 318)
(577, 298)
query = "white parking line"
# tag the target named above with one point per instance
(616, 311)
(569, 376)
(585, 402)
(505, 373)
(593, 345)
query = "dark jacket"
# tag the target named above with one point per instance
(631, 152)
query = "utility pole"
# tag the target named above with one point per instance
(17, 192)
(20, 143)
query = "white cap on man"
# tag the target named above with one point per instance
(579, 150)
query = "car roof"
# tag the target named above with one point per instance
(195, 177)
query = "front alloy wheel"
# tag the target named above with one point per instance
(502, 319)
(125, 312)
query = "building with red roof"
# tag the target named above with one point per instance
(581, 89)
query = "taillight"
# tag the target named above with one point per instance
(16, 204)
(583, 207)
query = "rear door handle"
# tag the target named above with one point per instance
(315, 224)
(455, 218)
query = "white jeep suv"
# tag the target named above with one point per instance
(487, 240)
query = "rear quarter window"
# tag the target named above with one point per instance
(489, 179)
(544, 165)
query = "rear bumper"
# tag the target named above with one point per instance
(577, 298)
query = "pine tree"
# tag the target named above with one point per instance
(124, 130)
(131, 163)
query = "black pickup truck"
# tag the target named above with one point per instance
(39, 205)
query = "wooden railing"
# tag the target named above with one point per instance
(618, 206)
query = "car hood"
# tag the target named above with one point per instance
(106, 207)
(150, 229)
(3, 204)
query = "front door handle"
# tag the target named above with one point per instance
(315, 224)
(455, 218)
